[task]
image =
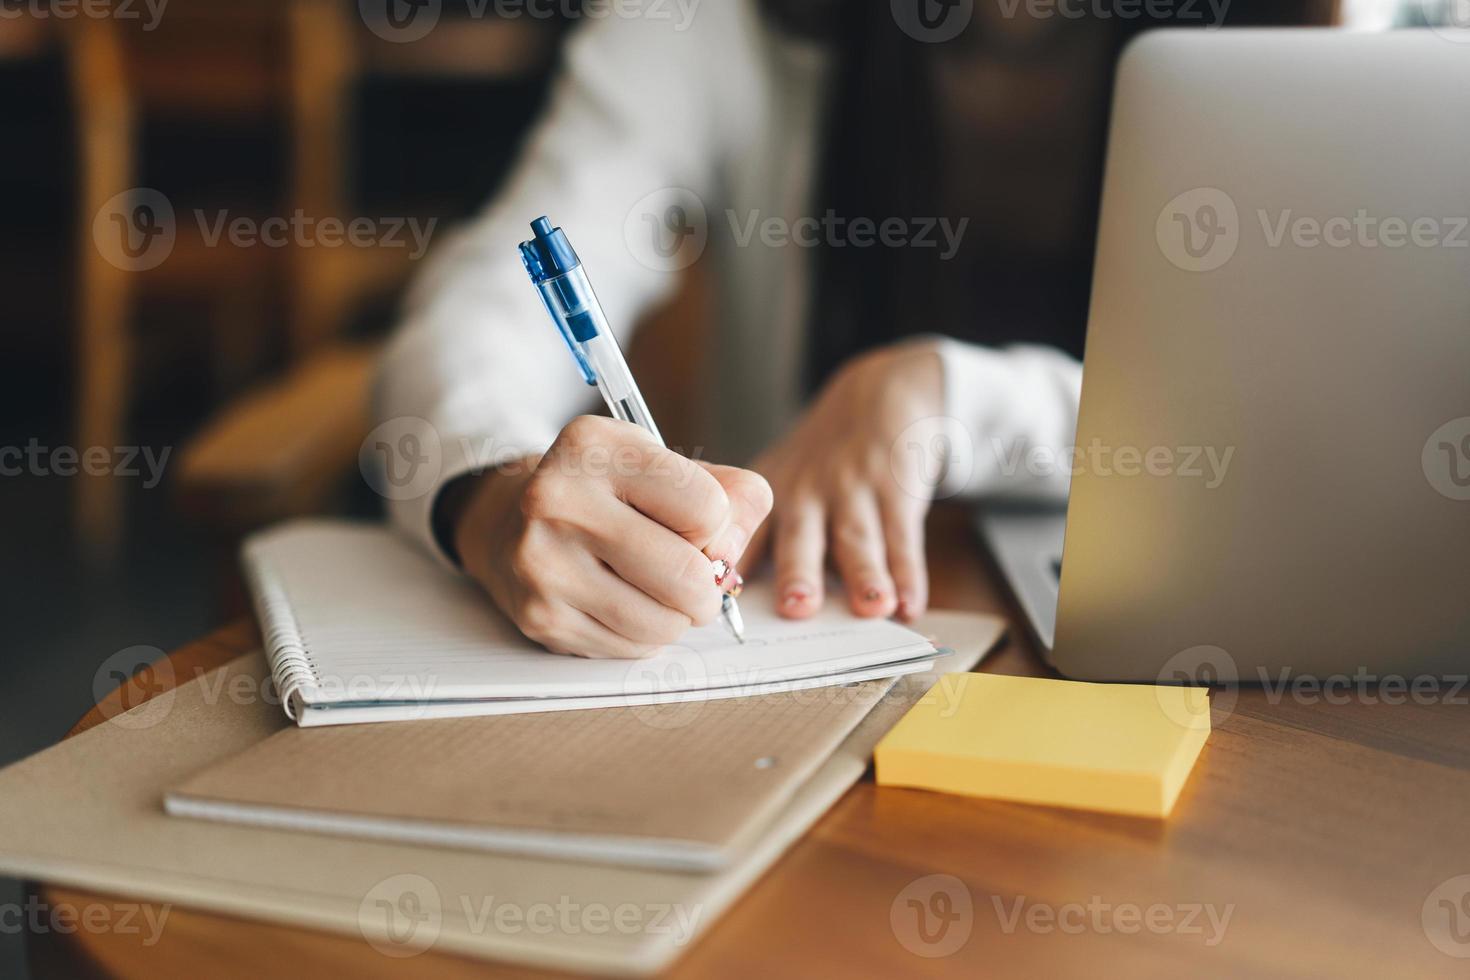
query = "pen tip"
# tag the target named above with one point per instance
(733, 619)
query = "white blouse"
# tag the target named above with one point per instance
(687, 129)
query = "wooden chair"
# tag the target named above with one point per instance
(207, 62)
(331, 53)
(295, 61)
(284, 448)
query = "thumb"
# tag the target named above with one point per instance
(750, 502)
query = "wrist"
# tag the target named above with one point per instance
(461, 505)
(912, 380)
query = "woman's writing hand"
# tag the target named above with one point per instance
(603, 546)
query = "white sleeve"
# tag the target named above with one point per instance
(640, 106)
(1011, 421)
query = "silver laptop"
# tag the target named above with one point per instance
(1272, 466)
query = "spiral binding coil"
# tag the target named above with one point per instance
(285, 648)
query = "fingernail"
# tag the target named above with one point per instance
(872, 594)
(739, 538)
(795, 595)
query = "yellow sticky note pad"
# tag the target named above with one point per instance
(1121, 748)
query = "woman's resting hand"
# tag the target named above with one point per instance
(847, 487)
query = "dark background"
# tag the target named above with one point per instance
(155, 575)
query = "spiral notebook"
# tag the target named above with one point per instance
(359, 626)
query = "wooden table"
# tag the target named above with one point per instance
(1314, 839)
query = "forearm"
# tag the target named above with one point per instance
(633, 112)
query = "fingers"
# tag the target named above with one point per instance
(651, 521)
(749, 496)
(652, 559)
(625, 610)
(799, 545)
(562, 628)
(716, 508)
(598, 615)
(671, 489)
(903, 537)
(859, 553)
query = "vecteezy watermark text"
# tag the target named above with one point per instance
(66, 918)
(669, 228)
(1446, 459)
(136, 687)
(1445, 917)
(936, 21)
(403, 916)
(304, 231)
(1213, 666)
(1201, 229)
(150, 12)
(34, 459)
(1207, 463)
(1204, 919)
(939, 455)
(405, 21)
(836, 231)
(1363, 686)
(934, 916)
(136, 229)
(1211, 12)
(1362, 229)
(402, 459)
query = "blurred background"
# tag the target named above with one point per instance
(221, 378)
(212, 210)
(215, 208)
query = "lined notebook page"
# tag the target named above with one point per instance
(699, 771)
(353, 613)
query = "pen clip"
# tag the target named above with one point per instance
(588, 375)
(533, 267)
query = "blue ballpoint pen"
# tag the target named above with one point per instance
(560, 279)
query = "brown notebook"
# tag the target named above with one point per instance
(668, 786)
